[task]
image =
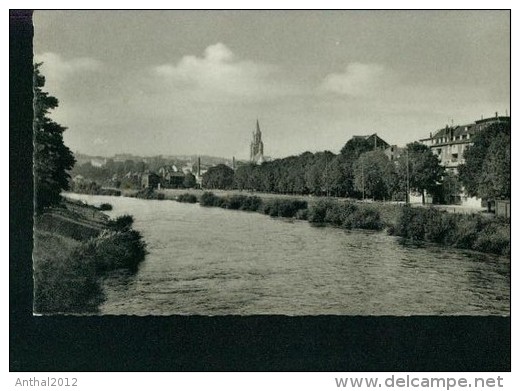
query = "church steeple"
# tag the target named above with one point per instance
(257, 146)
(258, 127)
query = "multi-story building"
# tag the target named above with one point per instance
(449, 143)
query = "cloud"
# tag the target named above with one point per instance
(220, 74)
(57, 68)
(358, 80)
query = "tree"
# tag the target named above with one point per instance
(486, 172)
(218, 177)
(420, 168)
(52, 158)
(355, 147)
(374, 175)
(189, 180)
(450, 189)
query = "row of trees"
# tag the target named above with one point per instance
(357, 171)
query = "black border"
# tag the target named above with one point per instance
(197, 343)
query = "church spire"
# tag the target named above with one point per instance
(257, 146)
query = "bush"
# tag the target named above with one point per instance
(148, 194)
(116, 250)
(121, 223)
(318, 211)
(251, 203)
(283, 208)
(302, 214)
(347, 215)
(234, 202)
(187, 197)
(363, 218)
(461, 231)
(209, 199)
(105, 206)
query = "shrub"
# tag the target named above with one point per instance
(283, 208)
(148, 194)
(187, 197)
(251, 203)
(461, 231)
(341, 214)
(234, 202)
(121, 223)
(209, 199)
(117, 250)
(302, 214)
(466, 231)
(363, 218)
(105, 206)
(318, 211)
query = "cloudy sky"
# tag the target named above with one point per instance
(194, 82)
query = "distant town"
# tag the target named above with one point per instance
(127, 171)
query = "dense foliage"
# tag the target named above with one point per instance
(486, 172)
(218, 177)
(52, 158)
(420, 168)
(462, 231)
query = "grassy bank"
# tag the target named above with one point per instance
(73, 250)
(475, 232)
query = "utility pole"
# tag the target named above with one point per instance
(363, 178)
(407, 177)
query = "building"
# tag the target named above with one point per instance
(374, 140)
(256, 155)
(150, 180)
(450, 142)
(393, 152)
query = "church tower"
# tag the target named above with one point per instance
(257, 146)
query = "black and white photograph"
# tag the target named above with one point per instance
(293, 163)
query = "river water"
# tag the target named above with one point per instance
(211, 261)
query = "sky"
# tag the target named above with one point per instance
(195, 82)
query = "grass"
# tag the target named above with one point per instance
(67, 268)
(63, 281)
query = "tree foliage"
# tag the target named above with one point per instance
(189, 180)
(486, 172)
(374, 174)
(52, 158)
(421, 168)
(218, 177)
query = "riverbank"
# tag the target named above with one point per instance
(465, 231)
(74, 246)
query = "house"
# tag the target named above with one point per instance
(150, 180)
(374, 140)
(393, 152)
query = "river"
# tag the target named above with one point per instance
(211, 261)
